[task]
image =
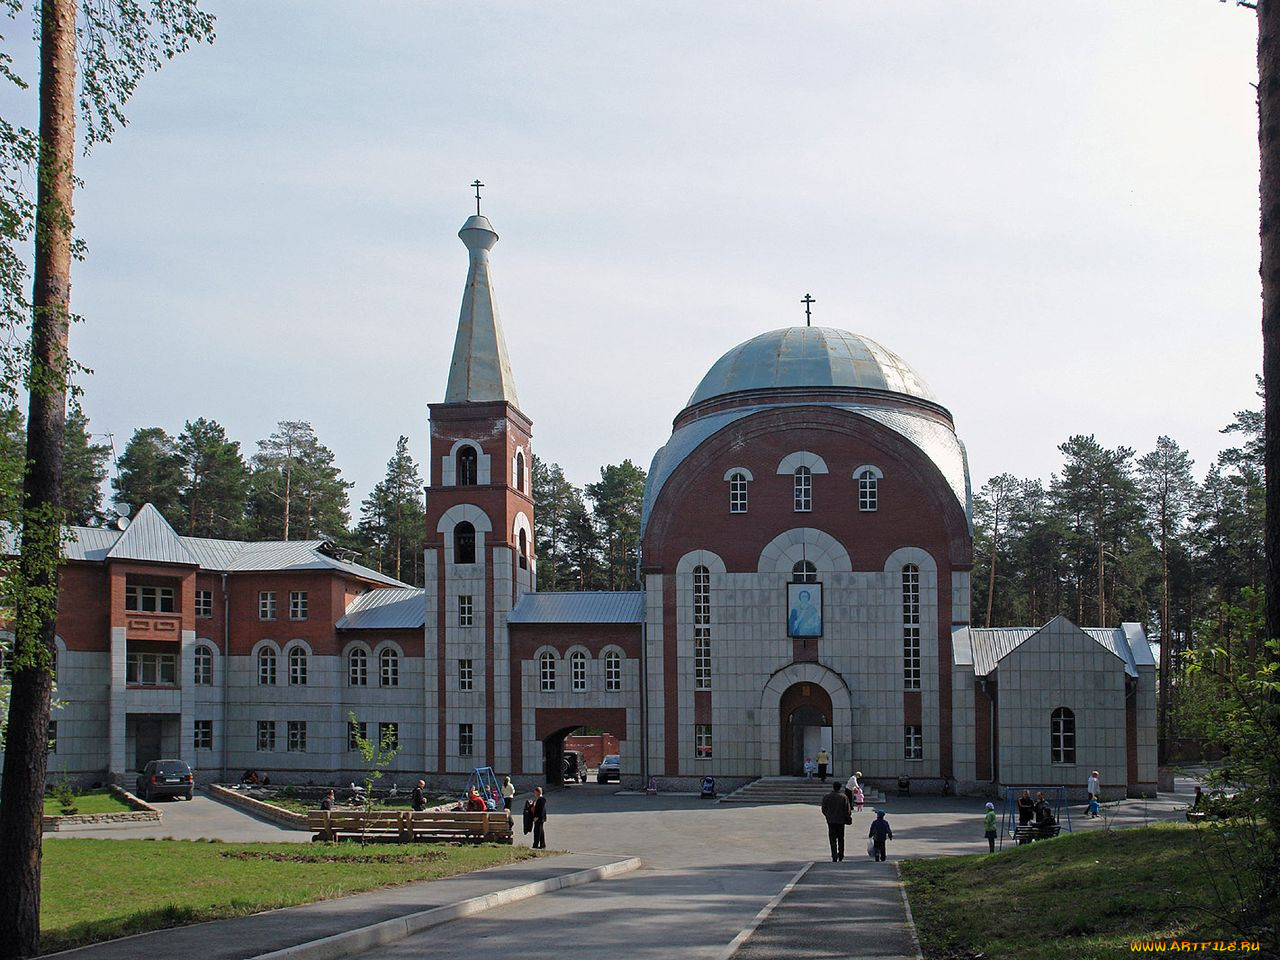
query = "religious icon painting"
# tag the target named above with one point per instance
(804, 610)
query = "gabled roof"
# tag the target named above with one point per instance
(392, 609)
(984, 647)
(595, 606)
(150, 538)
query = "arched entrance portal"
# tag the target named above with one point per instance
(806, 716)
(590, 735)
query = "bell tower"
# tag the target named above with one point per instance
(479, 536)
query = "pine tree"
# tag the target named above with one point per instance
(84, 467)
(296, 491)
(215, 481)
(559, 517)
(151, 471)
(616, 503)
(393, 517)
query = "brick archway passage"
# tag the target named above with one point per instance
(770, 716)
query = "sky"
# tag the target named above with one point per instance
(1049, 210)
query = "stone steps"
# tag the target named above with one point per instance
(790, 790)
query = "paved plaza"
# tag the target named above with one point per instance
(709, 874)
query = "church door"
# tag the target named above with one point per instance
(804, 713)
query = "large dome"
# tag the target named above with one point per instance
(810, 357)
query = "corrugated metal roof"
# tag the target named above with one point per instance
(150, 538)
(985, 647)
(585, 607)
(392, 609)
(89, 543)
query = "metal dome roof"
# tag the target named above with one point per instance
(810, 357)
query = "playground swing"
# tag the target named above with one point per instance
(482, 785)
(1056, 797)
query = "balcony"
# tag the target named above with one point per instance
(142, 625)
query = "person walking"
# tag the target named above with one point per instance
(419, 800)
(508, 793)
(539, 819)
(838, 814)
(989, 825)
(1093, 786)
(880, 832)
(824, 760)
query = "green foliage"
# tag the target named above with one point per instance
(84, 467)
(616, 502)
(376, 755)
(392, 524)
(296, 492)
(151, 470)
(66, 796)
(215, 481)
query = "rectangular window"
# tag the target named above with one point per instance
(547, 672)
(297, 736)
(868, 495)
(702, 741)
(911, 627)
(578, 672)
(53, 736)
(203, 667)
(612, 671)
(466, 740)
(297, 604)
(204, 735)
(151, 669)
(466, 611)
(355, 733)
(204, 603)
(803, 489)
(466, 675)
(738, 493)
(266, 734)
(701, 658)
(389, 735)
(266, 605)
(912, 743)
(148, 599)
(388, 669)
(1062, 737)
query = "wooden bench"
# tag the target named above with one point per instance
(1027, 832)
(406, 826)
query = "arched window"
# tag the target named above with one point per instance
(738, 493)
(803, 486)
(358, 668)
(578, 670)
(547, 671)
(520, 470)
(388, 668)
(1062, 736)
(267, 667)
(701, 628)
(297, 667)
(203, 666)
(464, 543)
(613, 670)
(911, 627)
(804, 572)
(523, 540)
(467, 465)
(868, 490)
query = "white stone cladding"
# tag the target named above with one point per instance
(83, 685)
(1061, 666)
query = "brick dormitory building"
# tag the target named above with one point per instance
(806, 555)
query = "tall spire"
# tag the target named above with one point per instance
(481, 371)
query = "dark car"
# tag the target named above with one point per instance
(574, 767)
(165, 778)
(610, 769)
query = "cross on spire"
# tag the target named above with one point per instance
(477, 184)
(807, 301)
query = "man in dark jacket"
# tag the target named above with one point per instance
(836, 810)
(879, 833)
(539, 820)
(418, 799)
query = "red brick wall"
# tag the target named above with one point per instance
(593, 748)
(84, 606)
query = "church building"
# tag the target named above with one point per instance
(806, 553)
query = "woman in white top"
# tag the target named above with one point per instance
(508, 792)
(1093, 784)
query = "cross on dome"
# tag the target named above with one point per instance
(477, 184)
(807, 301)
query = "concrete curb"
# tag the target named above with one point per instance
(906, 905)
(351, 942)
(259, 808)
(736, 943)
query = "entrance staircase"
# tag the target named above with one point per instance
(792, 790)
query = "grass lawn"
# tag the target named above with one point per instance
(98, 801)
(1078, 897)
(98, 889)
